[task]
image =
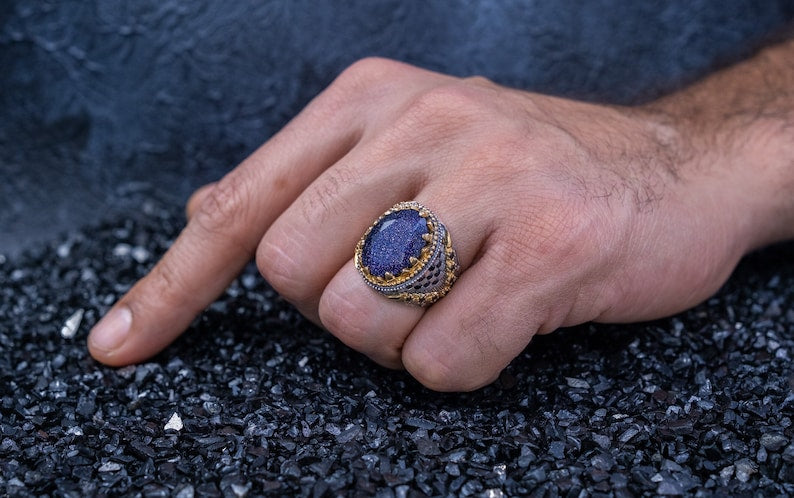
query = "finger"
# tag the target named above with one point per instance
(221, 237)
(364, 320)
(467, 338)
(197, 199)
(305, 247)
(316, 235)
(374, 325)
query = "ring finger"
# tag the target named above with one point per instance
(306, 254)
(375, 325)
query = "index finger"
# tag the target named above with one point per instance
(221, 237)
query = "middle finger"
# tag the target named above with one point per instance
(375, 325)
(307, 252)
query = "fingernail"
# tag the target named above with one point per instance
(111, 330)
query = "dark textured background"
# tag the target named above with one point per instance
(700, 404)
(116, 110)
(101, 100)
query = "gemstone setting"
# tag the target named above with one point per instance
(394, 243)
(407, 255)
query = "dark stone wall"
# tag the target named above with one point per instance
(105, 102)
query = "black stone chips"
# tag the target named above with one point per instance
(254, 400)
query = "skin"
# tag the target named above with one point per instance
(561, 212)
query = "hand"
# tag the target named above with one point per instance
(561, 212)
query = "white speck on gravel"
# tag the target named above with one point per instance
(109, 467)
(71, 324)
(577, 383)
(174, 423)
(744, 469)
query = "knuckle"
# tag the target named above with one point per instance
(447, 101)
(480, 81)
(471, 363)
(197, 199)
(433, 120)
(167, 286)
(358, 83)
(224, 206)
(433, 371)
(346, 320)
(281, 268)
(449, 111)
(360, 79)
(323, 200)
(198, 196)
(367, 70)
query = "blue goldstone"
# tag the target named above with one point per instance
(392, 243)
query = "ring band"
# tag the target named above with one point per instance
(407, 254)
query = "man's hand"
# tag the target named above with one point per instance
(561, 212)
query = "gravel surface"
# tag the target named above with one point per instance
(255, 400)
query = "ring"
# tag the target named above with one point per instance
(407, 255)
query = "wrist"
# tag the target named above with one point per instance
(768, 156)
(741, 122)
(745, 159)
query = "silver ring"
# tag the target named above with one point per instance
(407, 254)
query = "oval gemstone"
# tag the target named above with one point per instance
(392, 243)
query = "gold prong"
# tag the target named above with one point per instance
(428, 237)
(413, 260)
(388, 276)
(424, 214)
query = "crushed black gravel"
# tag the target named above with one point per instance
(255, 400)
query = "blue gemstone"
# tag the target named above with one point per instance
(392, 243)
